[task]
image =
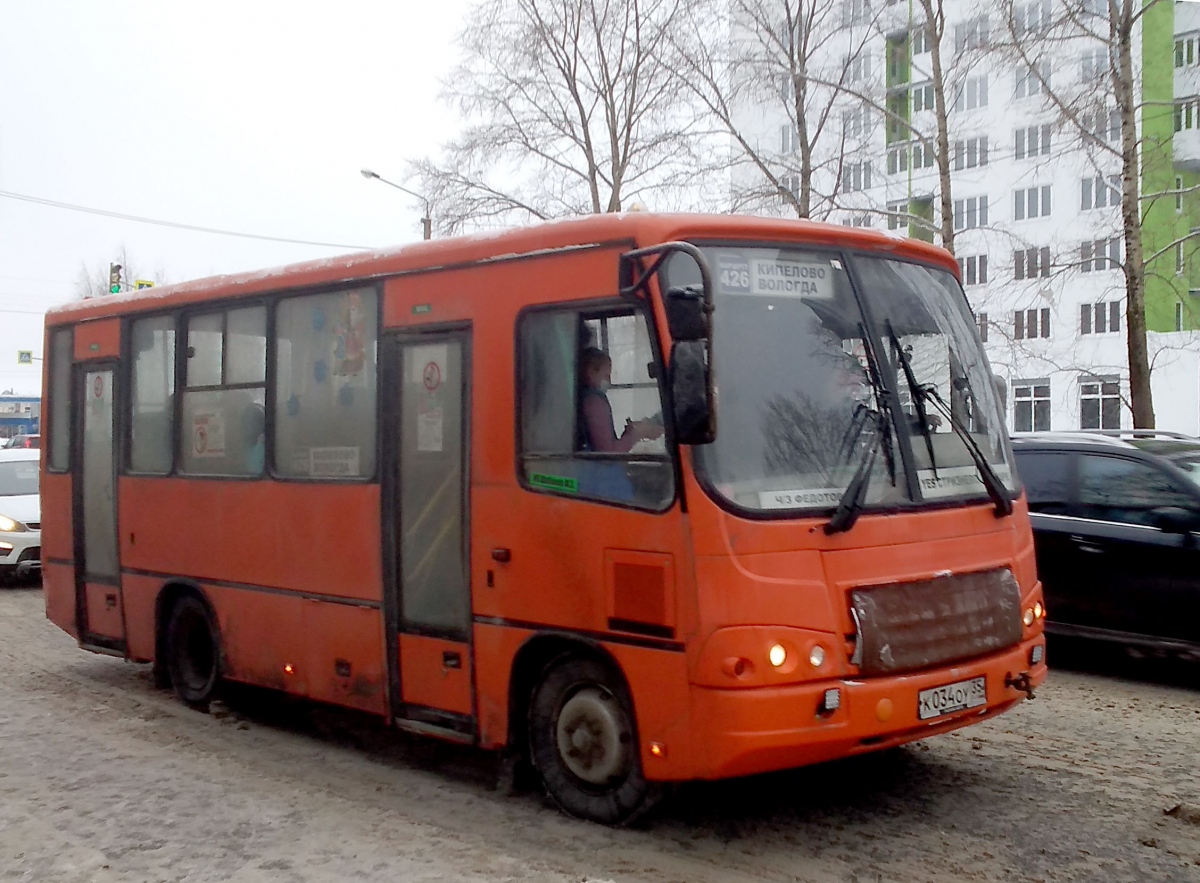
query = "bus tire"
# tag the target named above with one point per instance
(193, 652)
(583, 743)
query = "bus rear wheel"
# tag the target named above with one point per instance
(583, 743)
(193, 653)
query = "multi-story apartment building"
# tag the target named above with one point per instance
(1035, 169)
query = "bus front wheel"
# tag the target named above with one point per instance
(193, 654)
(584, 746)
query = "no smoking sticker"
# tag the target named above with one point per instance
(431, 376)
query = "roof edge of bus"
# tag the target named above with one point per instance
(643, 228)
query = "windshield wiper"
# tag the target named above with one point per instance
(987, 472)
(850, 506)
(914, 391)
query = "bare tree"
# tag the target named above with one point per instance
(1102, 111)
(573, 110)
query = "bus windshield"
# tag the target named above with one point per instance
(832, 364)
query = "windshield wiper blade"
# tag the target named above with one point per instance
(914, 391)
(987, 472)
(850, 506)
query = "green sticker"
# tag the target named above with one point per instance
(95, 347)
(422, 308)
(554, 482)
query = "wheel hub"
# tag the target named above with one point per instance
(594, 736)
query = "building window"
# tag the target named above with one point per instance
(856, 176)
(1103, 124)
(856, 121)
(1100, 318)
(858, 68)
(1031, 324)
(1033, 202)
(1187, 114)
(790, 139)
(1178, 194)
(1185, 51)
(855, 12)
(972, 34)
(981, 323)
(1029, 263)
(922, 97)
(897, 215)
(1032, 141)
(1097, 193)
(970, 153)
(1178, 316)
(1179, 259)
(970, 213)
(897, 159)
(1032, 17)
(1031, 405)
(1030, 82)
(1100, 254)
(863, 220)
(1093, 66)
(791, 184)
(1100, 403)
(972, 93)
(973, 269)
(919, 40)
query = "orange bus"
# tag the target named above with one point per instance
(633, 499)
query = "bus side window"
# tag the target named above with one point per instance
(325, 374)
(152, 395)
(58, 457)
(591, 407)
(224, 393)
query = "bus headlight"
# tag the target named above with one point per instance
(9, 526)
(1028, 617)
(816, 656)
(777, 655)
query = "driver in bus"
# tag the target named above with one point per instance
(595, 411)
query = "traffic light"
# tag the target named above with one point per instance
(114, 278)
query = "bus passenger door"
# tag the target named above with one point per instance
(99, 609)
(428, 596)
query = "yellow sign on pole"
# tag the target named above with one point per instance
(143, 283)
(24, 357)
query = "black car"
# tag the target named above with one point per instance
(1116, 526)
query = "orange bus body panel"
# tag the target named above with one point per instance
(98, 339)
(427, 681)
(317, 538)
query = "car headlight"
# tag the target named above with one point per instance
(9, 526)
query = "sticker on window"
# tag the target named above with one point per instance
(790, 278)
(812, 497)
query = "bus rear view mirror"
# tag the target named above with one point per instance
(687, 318)
(693, 414)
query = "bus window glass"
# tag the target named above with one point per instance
(798, 412)
(325, 375)
(59, 455)
(591, 408)
(923, 319)
(152, 395)
(204, 350)
(224, 421)
(246, 341)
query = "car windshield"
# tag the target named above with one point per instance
(804, 380)
(1190, 466)
(18, 477)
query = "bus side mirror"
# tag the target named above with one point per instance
(692, 393)
(686, 317)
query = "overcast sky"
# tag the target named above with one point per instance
(253, 116)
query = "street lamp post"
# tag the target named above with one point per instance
(426, 222)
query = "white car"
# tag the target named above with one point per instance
(20, 514)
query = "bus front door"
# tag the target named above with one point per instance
(428, 601)
(98, 603)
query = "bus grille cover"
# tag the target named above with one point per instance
(913, 625)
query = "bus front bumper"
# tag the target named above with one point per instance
(761, 729)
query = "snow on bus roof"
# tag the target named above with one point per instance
(578, 231)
